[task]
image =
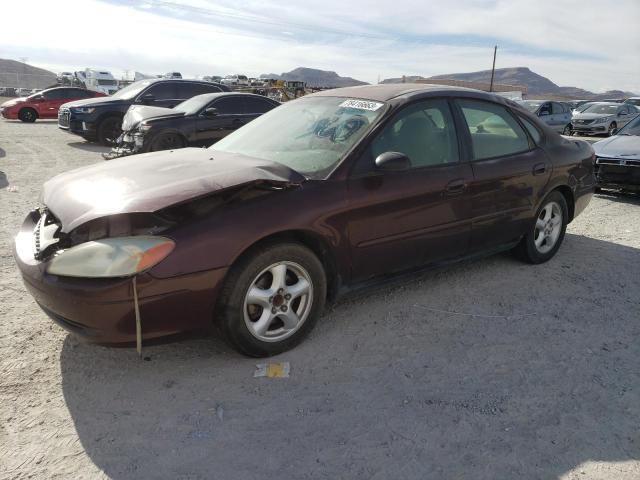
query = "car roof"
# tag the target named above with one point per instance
(388, 91)
(211, 96)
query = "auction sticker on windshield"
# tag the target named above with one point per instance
(361, 105)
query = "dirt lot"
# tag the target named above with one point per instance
(487, 370)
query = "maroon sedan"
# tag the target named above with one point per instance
(44, 104)
(319, 195)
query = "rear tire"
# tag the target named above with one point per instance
(109, 130)
(288, 289)
(27, 115)
(546, 232)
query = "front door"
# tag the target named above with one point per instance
(510, 172)
(399, 220)
(230, 115)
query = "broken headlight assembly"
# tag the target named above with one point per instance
(111, 257)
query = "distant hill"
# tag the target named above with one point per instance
(315, 78)
(536, 84)
(18, 74)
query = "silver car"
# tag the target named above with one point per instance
(603, 118)
(555, 114)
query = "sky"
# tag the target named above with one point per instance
(591, 44)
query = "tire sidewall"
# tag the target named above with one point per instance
(22, 112)
(230, 315)
(102, 130)
(154, 143)
(533, 255)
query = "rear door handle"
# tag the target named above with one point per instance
(539, 168)
(455, 187)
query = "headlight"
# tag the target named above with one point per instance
(144, 127)
(602, 120)
(111, 257)
(82, 109)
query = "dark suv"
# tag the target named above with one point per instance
(101, 119)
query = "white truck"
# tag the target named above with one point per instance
(100, 81)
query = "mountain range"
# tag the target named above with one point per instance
(536, 84)
(315, 78)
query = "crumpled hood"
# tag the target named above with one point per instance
(138, 113)
(153, 181)
(624, 146)
(591, 116)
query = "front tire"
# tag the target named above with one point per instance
(546, 234)
(109, 130)
(611, 129)
(166, 141)
(27, 115)
(567, 130)
(272, 299)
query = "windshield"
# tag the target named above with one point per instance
(631, 128)
(531, 106)
(132, 90)
(600, 108)
(583, 107)
(195, 104)
(310, 135)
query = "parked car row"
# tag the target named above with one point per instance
(315, 197)
(587, 118)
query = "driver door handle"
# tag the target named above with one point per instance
(455, 187)
(539, 168)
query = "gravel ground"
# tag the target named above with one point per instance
(489, 369)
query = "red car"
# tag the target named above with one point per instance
(43, 104)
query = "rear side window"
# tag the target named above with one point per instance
(533, 131)
(188, 90)
(494, 131)
(556, 108)
(229, 106)
(57, 94)
(257, 105)
(164, 91)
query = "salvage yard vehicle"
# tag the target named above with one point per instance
(618, 159)
(197, 122)
(235, 81)
(555, 114)
(334, 190)
(635, 101)
(44, 104)
(603, 118)
(101, 119)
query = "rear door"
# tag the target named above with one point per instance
(165, 94)
(625, 115)
(398, 220)
(509, 170)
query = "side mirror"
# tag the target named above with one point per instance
(393, 162)
(147, 98)
(543, 113)
(211, 112)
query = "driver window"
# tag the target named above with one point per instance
(424, 131)
(545, 108)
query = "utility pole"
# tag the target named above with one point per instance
(493, 69)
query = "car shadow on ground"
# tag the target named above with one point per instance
(3, 153)
(90, 147)
(488, 369)
(4, 182)
(620, 197)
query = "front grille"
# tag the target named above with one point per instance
(620, 162)
(583, 122)
(63, 117)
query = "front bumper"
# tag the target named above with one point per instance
(618, 173)
(129, 143)
(9, 113)
(76, 123)
(102, 310)
(592, 128)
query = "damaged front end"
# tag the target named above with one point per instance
(130, 142)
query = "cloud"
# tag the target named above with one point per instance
(589, 45)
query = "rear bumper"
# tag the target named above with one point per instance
(102, 310)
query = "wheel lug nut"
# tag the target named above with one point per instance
(287, 296)
(274, 310)
(283, 308)
(280, 290)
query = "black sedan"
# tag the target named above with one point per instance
(198, 122)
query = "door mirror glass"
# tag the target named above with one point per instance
(393, 161)
(147, 98)
(211, 112)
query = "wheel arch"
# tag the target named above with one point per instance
(28, 107)
(567, 193)
(315, 242)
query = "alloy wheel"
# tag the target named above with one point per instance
(278, 301)
(548, 227)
